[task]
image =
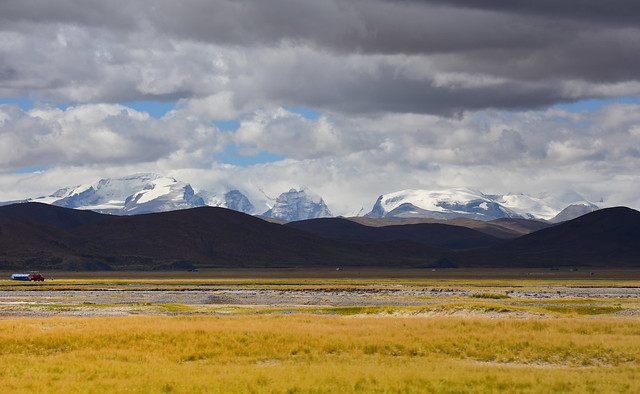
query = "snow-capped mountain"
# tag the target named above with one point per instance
(573, 211)
(232, 199)
(298, 205)
(134, 194)
(237, 201)
(148, 192)
(467, 203)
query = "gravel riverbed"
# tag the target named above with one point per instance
(120, 300)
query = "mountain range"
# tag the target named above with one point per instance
(43, 236)
(150, 193)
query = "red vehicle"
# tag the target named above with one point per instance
(36, 277)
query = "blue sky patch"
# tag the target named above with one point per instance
(24, 103)
(305, 111)
(595, 104)
(27, 104)
(227, 125)
(31, 170)
(156, 109)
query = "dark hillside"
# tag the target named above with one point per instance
(506, 228)
(214, 235)
(218, 237)
(199, 237)
(27, 243)
(604, 238)
(517, 227)
(432, 234)
(52, 215)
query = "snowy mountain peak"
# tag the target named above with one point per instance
(298, 205)
(238, 201)
(573, 211)
(134, 194)
(439, 204)
(232, 199)
(468, 203)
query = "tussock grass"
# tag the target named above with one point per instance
(319, 353)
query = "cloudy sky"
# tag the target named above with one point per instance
(349, 98)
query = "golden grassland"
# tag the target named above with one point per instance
(488, 340)
(319, 353)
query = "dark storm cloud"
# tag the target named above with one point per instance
(386, 93)
(521, 40)
(371, 26)
(440, 57)
(617, 12)
(606, 56)
(93, 13)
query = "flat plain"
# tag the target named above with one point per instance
(322, 331)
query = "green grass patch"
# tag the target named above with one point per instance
(353, 310)
(494, 296)
(470, 307)
(582, 309)
(182, 308)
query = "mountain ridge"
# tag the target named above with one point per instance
(40, 236)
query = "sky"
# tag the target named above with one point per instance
(348, 98)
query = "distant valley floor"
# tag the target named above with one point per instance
(537, 294)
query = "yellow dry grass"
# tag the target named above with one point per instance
(316, 353)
